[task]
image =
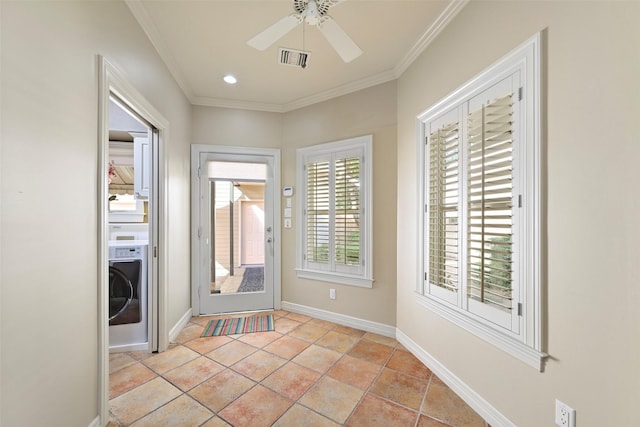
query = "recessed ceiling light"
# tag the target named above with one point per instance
(230, 79)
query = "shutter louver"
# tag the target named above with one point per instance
(443, 207)
(490, 203)
(318, 212)
(347, 211)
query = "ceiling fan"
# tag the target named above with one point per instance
(313, 12)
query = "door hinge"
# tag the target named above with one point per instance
(199, 232)
(426, 208)
(520, 93)
(199, 171)
(425, 276)
(519, 309)
(155, 252)
(519, 200)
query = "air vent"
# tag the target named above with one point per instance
(295, 58)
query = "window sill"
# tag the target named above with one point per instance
(515, 348)
(344, 279)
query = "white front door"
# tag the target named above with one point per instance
(236, 229)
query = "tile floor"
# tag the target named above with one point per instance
(306, 373)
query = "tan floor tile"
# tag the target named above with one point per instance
(129, 378)
(337, 341)
(163, 362)
(260, 339)
(318, 358)
(400, 388)
(222, 389)
(406, 362)
(322, 324)
(284, 325)
(206, 344)
(443, 404)
(371, 351)
(349, 331)
(258, 365)
(356, 372)
(181, 412)
(140, 401)
(280, 313)
(298, 416)
(332, 399)
(190, 332)
(298, 317)
(287, 347)
(380, 339)
(291, 380)
(259, 407)
(193, 373)
(230, 353)
(120, 360)
(216, 422)
(374, 411)
(425, 421)
(141, 355)
(308, 332)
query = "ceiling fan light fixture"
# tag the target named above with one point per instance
(230, 79)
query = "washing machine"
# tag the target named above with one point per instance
(128, 296)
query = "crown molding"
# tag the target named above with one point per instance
(142, 16)
(432, 32)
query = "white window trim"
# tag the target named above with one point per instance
(527, 347)
(365, 279)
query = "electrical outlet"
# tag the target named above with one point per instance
(332, 293)
(565, 415)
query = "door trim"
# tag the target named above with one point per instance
(110, 80)
(196, 151)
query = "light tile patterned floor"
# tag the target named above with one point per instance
(307, 373)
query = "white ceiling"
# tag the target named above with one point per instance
(202, 40)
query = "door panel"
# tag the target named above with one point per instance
(235, 270)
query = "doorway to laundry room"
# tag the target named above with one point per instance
(131, 292)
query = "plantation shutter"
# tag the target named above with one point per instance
(318, 219)
(490, 204)
(347, 211)
(443, 206)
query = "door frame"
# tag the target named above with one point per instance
(196, 151)
(110, 80)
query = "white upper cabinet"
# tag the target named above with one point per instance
(141, 167)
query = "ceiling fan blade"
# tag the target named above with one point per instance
(341, 42)
(274, 32)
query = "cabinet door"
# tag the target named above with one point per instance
(141, 167)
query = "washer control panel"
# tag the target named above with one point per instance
(125, 252)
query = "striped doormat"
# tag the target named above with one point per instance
(239, 325)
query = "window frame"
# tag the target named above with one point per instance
(525, 340)
(362, 146)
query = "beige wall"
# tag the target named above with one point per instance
(49, 229)
(591, 254)
(371, 111)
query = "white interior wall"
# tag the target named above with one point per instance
(590, 154)
(49, 229)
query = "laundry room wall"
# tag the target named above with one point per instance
(49, 228)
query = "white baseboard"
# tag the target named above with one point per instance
(473, 399)
(178, 327)
(95, 422)
(341, 319)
